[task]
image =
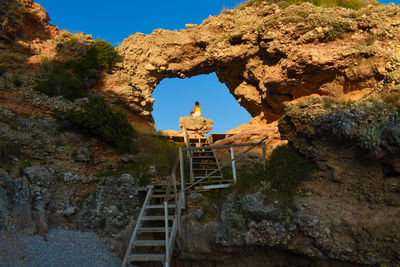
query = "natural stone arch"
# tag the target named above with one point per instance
(175, 97)
(264, 61)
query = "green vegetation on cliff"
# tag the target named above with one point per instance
(62, 82)
(285, 169)
(372, 124)
(97, 118)
(72, 79)
(353, 4)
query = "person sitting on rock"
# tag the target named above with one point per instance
(196, 112)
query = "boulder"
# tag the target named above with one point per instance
(196, 125)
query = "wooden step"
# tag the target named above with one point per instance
(209, 177)
(203, 157)
(149, 243)
(153, 229)
(204, 163)
(205, 169)
(156, 218)
(157, 195)
(162, 190)
(161, 206)
(146, 257)
(208, 187)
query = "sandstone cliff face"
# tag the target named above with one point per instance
(24, 19)
(357, 146)
(50, 175)
(268, 56)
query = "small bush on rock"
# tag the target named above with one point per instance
(370, 138)
(103, 54)
(7, 150)
(61, 83)
(338, 28)
(72, 79)
(16, 80)
(70, 39)
(352, 4)
(96, 117)
(161, 151)
(370, 123)
(3, 70)
(285, 169)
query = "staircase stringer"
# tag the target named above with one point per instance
(138, 224)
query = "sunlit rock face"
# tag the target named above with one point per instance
(267, 56)
(24, 19)
(195, 127)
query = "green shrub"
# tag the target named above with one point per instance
(302, 14)
(370, 138)
(16, 80)
(62, 83)
(285, 169)
(212, 203)
(71, 40)
(338, 28)
(3, 70)
(71, 79)
(246, 179)
(352, 4)
(103, 54)
(392, 129)
(98, 119)
(7, 150)
(162, 152)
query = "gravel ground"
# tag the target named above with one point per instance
(61, 248)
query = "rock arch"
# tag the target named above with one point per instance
(264, 60)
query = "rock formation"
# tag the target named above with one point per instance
(196, 125)
(253, 133)
(268, 56)
(24, 19)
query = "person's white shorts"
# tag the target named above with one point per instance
(197, 114)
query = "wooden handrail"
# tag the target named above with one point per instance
(138, 224)
(226, 163)
(171, 180)
(186, 136)
(225, 146)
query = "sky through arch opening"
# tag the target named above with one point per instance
(175, 98)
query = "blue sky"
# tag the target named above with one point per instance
(115, 20)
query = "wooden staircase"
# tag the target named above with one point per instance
(156, 229)
(204, 163)
(159, 220)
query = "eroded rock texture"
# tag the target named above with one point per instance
(266, 55)
(24, 19)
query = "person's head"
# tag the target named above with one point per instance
(196, 103)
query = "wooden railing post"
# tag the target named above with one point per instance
(166, 232)
(264, 154)
(252, 145)
(182, 167)
(233, 165)
(138, 224)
